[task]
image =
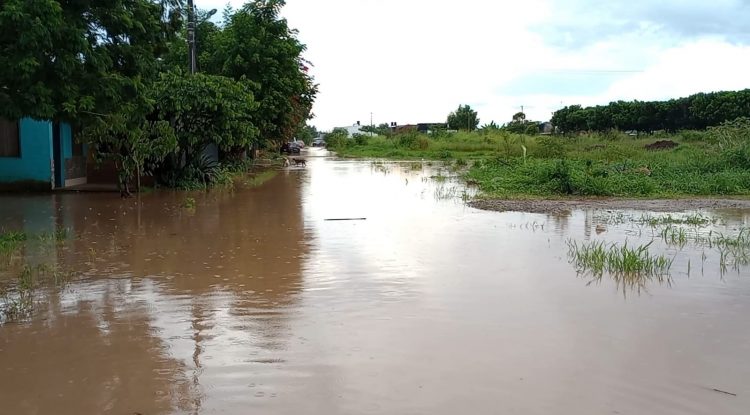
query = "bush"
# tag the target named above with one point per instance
(738, 156)
(693, 136)
(361, 139)
(407, 139)
(550, 147)
(560, 178)
(336, 139)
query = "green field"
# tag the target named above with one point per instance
(505, 165)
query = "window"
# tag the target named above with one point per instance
(10, 143)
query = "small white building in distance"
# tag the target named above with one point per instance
(354, 129)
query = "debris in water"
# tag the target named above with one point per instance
(724, 392)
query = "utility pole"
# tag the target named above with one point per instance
(372, 126)
(191, 35)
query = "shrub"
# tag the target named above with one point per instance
(422, 144)
(560, 178)
(361, 139)
(407, 139)
(550, 147)
(693, 136)
(336, 139)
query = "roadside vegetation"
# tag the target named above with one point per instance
(119, 76)
(715, 161)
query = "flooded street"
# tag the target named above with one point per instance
(254, 301)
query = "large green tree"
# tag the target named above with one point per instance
(65, 60)
(464, 118)
(257, 46)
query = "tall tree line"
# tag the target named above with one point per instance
(696, 112)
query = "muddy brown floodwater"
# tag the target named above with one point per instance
(252, 302)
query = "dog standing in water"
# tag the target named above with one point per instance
(297, 162)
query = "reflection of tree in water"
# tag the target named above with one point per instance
(93, 359)
(235, 260)
(561, 220)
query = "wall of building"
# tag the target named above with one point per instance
(73, 167)
(33, 169)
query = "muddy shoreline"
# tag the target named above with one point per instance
(552, 206)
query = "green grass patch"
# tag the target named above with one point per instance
(630, 267)
(259, 179)
(507, 165)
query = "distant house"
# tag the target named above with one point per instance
(354, 129)
(40, 155)
(403, 128)
(546, 128)
(428, 127)
(424, 127)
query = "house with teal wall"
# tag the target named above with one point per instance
(40, 155)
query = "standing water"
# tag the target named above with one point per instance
(255, 301)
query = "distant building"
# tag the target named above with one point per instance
(403, 128)
(354, 129)
(546, 128)
(428, 127)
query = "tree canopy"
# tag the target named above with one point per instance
(118, 68)
(695, 112)
(464, 118)
(63, 60)
(257, 46)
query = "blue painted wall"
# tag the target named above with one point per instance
(35, 163)
(66, 134)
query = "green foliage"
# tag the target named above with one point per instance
(113, 68)
(381, 130)
(64, 60)
(408, 139)
(257, 46)
(695, 112)
(189, 203)
(10, 243)
(205, 109)
(560, 179)
(360, 139)
(491, 127)
(307, 133)
(337, 139)
(631, 264)
(464, 118)
(137, 145)
(550, 147)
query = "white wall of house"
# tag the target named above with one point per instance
(354, 129)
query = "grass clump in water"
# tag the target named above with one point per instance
(630, 264)
(261, 178)
(59, 235)
(697, 220)
(18, 296)
(189, 203)
(10, 245)
(10, 241)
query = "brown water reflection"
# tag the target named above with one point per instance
(253, 303)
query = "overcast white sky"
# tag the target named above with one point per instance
(413, 61)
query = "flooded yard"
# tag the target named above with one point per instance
(255, 301)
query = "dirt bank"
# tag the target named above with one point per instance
(656, 205)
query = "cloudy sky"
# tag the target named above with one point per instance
(413, 61)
